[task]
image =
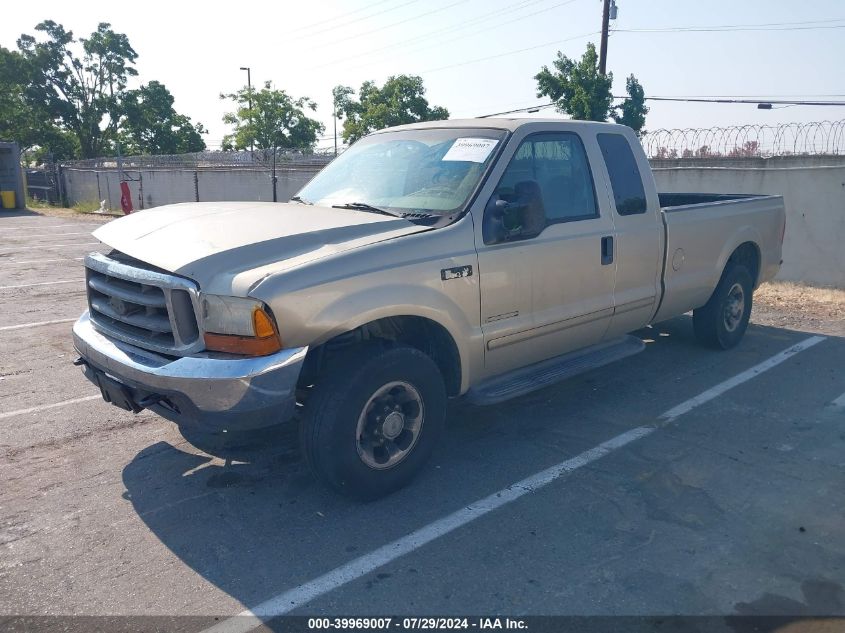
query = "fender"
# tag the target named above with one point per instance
(353, 310)
(740, 236)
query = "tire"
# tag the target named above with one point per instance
(722, 321)
(367, 456)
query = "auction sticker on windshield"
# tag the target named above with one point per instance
(474, 150)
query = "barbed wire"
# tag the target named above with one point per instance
(823, 138)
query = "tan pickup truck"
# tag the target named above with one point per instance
(480, 258)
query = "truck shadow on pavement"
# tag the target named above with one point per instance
(254, 522)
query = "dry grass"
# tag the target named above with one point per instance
(800, 307)
(827, 303)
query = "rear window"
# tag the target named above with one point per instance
(625, 179)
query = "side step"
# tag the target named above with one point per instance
(548, 372)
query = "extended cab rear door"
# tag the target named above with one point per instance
(638, 235)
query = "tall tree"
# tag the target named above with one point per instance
(578, 89)
(632, 111)
(401, 100)
(80, 81)
(275, 120)
(31, 126)
(150, 124)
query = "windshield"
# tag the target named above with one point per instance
(429, 171)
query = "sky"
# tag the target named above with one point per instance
(476, 56)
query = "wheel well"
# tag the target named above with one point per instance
(426, 335)
(748, 255)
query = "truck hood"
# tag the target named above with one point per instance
(227, 247)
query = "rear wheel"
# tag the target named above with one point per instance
(373, 418)
(722, 321)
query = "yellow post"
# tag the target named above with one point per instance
(8, 199)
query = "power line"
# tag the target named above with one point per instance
(742, 96)
(513, 52)
(753, 101)
(769, 26)
(411, 19)
(336, 17)
(543, 106)
(741, 30)
(345, 24)
(524, 4)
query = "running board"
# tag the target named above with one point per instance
(548, 372)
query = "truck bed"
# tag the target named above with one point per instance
(671, 200)
(701, 232)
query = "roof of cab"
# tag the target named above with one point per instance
(502, 123)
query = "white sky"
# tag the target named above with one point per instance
(306, 48)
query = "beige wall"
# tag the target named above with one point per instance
(814, 247)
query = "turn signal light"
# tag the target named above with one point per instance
(266, 339)
(262, 324)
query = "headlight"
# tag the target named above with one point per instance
(238, 326)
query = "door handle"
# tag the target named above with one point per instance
(607, 250)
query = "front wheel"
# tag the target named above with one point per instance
(722, 321)
(373, 419)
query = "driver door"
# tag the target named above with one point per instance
(546, 262)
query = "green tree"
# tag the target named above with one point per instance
(632, 111)
(401, 100)
(80, 82)
(275, 120)
(150, 124)
(32, 127)
(578, 89)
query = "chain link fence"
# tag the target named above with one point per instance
(261, 175)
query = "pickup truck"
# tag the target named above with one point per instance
(478, 258)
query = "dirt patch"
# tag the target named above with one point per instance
(800, 307)
(73, 214)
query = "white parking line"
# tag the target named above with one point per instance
(730, 383)
(27, 248)
(43, 407)
(41, 261)
(31, 237)
(24, 326)
(44, 283)
(298, 596)
(39, 225)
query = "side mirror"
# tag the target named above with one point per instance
(493, 226)
(502, 220)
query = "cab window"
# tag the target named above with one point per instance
(625, 179)
(548, 180)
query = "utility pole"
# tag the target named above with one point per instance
(334, 118)
(249, 98)
(605, 23)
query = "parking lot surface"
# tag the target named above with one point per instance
(729, 502)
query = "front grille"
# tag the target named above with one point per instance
(139, 304)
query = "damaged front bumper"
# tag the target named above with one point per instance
(212, 391)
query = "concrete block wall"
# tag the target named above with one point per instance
(813, 248)
(156, 187)
(813, 188)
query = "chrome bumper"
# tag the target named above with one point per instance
(210, 391)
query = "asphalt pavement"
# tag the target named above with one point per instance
(733, 506)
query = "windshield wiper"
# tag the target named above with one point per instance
(363, 206)
(298, 199)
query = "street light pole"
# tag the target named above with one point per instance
(249, 99)
(334, 119)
